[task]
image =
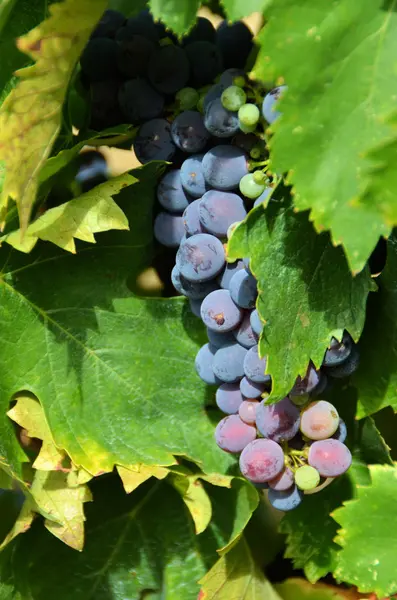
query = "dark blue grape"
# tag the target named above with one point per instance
(139, 101)
(168, 69)
(92, 170)
(191, 219)
(218, 210)
(133, 56)
(235, 43)
(338, 352)
(200, 257)
(219, 340)
(230, 270)
(227, 78)
(141, 24)
(171, 194)
(154, 142)
(254, 367)
(306, 384)
(244, 333)
(192, 176)
(228, 362)
(243, 289)
(105, 109)
(347, 367)
(188, 131)
(205, 62)
(224, 166)
(204, 362)
(256, 323)
(213, 93)
(109, 23)
(219, 312)
(219, 121)
(195, 307)
(228, 398)
(278, 422)
(169, 229)
(195, 291)
(287, 500)
(250, 389)
(99, 59)
(203, 30)
(233, 435)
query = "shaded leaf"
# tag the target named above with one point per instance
(373, 448)
(300, 589)
(177, 16)
(23, 521)
(196, 499)
(237, 9)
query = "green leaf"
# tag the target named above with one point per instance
(237, 576)
(6, 7)
(300, 589)
(237, 9)
(196, 499)
(317, 297)
(128, 7)
(88, 346)
(37, 99)
(177, 16)
(369, 535)
(373, 448)
(90, 213)
(341, 88)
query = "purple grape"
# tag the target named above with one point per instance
(331, 458)
(243, 289)
(195, 291)
(261, 461)
(218, 210)
(283, 481)
(219, 340)
(205, 62)
(319, 420)
(154, 142)
(320, 387)
(307, 384)
(192, 176)
(254, 367)
(219, 313)
(191, 219)
(200, 257)
(232, 435)
(244, 334)
(341, 433)
(278, 422)
(168, 69)
(230, 270)
(234, 40)
(188, 131)
(195, 307)
(247, 411)
(228, 398)
(256, 323)
(224, 166)
(338, 352)
(203, 363)
(285, 501)
(139, 101)
(250, 389)
(219, 121)
(169, 229)
(228, 363)
(171, 194)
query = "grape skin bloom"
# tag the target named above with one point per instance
(171, 194)
(247, 411)
(203, 363)
(192, 176)
(228, 363)
(250, 389)
(243, 289)
(228, 398)
(224, 166)
(169, 229)
(200, 257)
(254, 366)
(218, 210)
(330, 457)
(285, 501)
(319, 420)
(261, 460)
(219, 312)
(232, 435)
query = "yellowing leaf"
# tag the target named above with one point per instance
(133, 476)
(196, 499)
(29, 414)
(23, 522)
(30, 117)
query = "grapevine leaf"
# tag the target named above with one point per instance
(29, 414)
(317, 298)
(127, 7)
(370, 566)
(134, 476)
(333, 56)
(373, 448)
(37, 99)
(80, 218)
(22, 522)
(6, 7)
(300, 589)
(237, 9)
(236, 575)
(196, 499)
(177, 16)
(89, 346)
(376, 378)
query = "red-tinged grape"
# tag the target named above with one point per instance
(278, 421)
(219, 312)
(228, 398)
(247, 411)
(250, 389)
(261, 460)
(232, 435)
(306, 384)
(285, 501)
(319, 420)
(330, 457)
(200, 257)
(283, 481)
(228, 363)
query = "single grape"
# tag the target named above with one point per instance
(219, 121)
(250, 389)
(230, 270)
(331, 458)
(255, 367)
(244, 334)
(228, 77)
(249, 188)
(278, 422)
(108, 24)
(192, 176)
(205, 62)
(169, 229)
(218, 210)
(228, 398)
(203, 363)
(256, 323)
(168, 69)
(347, 367)
(228, 363)
(220, 340)
(233, 98)
(99, 59)
(247, 411)
(188, 131)
(133, 56)
(171, 194)
(203, 30)
(300, 400)
(234, 40)
(285, 501)
(284, 481)
(261, 460)
(141, 24)
(219, 312)
(341, 433)
(319, 420)
(187, 98)
(268, 106)
(195, 291)
(191, 219)
(224, 166)
(338, 352)
(213, 93)
(195, 307)
(153, 141)
(200, 257)
(248, 114)
(307, 477)
(307, 384)
(243, 289)
(232, 435)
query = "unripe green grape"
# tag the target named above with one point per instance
(233, 97)
(307, 478)
(187, 98)
(239, 81)
(249, 188)
(259, 177)
(248, 114)
(300, 400)
(246, 129)
(255, 152)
